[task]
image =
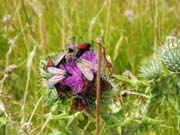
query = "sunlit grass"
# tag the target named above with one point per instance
(131, 30)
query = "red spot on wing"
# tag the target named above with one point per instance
(84, 46)
(82, 104)
(80, 107)
(50, 63)
(85, 84)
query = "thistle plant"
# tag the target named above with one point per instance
(70, 78)
(158, 81)
(170, 54)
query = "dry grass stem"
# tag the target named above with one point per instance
(98, 91)
(28, 66)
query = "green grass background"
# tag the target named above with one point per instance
(49, 24)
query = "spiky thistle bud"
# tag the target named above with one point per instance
(151, 69)
(170, 54)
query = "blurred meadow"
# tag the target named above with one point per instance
(30, 30)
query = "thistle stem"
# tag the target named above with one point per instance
(98, 90)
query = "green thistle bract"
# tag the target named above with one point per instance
(51, 96)
(151, 69)
(170, 54)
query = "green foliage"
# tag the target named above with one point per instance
(3, 122)
(131, 30)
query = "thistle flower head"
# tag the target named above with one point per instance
(73, 73)
(170, 53)
(151, 69)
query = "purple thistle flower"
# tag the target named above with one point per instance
(75, 81)
(91, 56)
(74, 74)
